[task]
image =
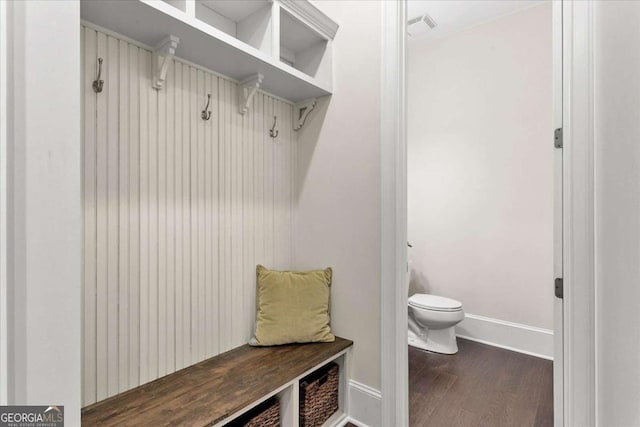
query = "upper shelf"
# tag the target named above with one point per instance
(288, 42)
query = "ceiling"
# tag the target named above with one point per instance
(455, 15)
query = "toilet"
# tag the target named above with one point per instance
(432, 321)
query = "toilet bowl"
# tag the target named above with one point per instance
(432, 321)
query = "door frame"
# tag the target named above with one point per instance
(4, 370)
(558, 303)
(578, 215)
(574, 250)
(393, 267)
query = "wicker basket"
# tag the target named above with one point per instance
(319, 396)
(266, 414)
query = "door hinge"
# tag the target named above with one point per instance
(559, 287)
(557, 138)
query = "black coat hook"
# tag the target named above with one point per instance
(98, 83)
(274, 133)
(206, 114)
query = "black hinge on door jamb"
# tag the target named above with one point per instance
(559, 287)
(557, 138)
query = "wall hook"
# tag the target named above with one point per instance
(273, 133)
(206, 114)
(98, 83)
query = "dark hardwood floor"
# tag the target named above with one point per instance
(479, 386)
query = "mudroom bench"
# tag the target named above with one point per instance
(218, 390)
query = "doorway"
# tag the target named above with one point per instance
(395, 407)
(480, 211)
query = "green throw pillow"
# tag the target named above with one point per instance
(292, 307)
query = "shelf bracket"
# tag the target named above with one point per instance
(248, 88)
(162, 56)
(300, 112)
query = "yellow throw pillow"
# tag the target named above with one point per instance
(292, 307)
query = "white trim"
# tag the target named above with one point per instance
(558, 304)
(372, 392)
(308, 13)
(512, 336)
(578, 215)
(246, 91)
(301, 111)
(393, 269)
(364, 405)
(163, 54)
(348, 420)
(137, 43)
(3, 204)
(337, 419)
(45, 210)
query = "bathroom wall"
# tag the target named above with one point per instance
(177, 213)
(480, 174)
(337, 219)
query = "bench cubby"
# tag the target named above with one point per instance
(220, 389)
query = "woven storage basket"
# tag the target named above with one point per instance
(319, 396)
(266, 414)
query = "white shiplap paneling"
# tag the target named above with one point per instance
(177, 213)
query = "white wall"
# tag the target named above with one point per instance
(4, 33)
(481, 167)
(338, 205)
(617, 170)
(177, 213)
(44, 210)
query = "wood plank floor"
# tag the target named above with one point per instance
(479, 386)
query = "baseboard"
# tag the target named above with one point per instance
(350, 420)
(508, 335)
(365, 405)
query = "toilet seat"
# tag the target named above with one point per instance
(434, 303)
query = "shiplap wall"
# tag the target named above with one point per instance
(177, 213)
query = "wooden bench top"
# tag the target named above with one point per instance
(212, 390)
